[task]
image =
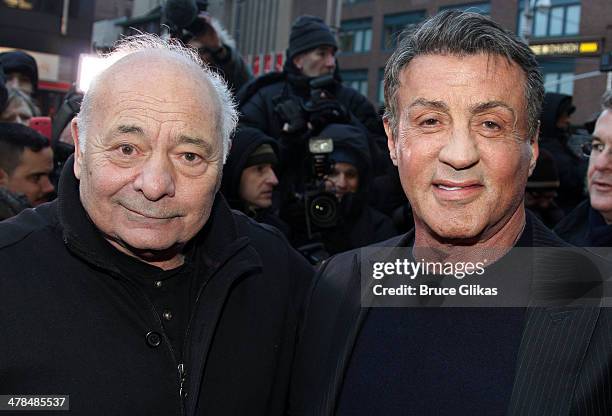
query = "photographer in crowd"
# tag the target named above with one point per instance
(190, 22)
(358, 223)
(307, 95)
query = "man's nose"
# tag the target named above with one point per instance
(271, 177)
(460, 151)
(330, 61)
(341, 181)
(603, 160)
(156, 178)
(46, 185)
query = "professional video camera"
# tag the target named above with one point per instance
(312, 209)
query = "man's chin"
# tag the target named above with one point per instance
(454, 229)
(148, 247)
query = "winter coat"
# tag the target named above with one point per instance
(245, 142)
(11, 204)
(259, 98)
(233, 69)
(71, 322)
(571, 166)
(585, 227)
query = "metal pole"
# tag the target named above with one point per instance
(338, 13)
(64, 21)
(328, 12)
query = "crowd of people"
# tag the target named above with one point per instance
(284, 183)
(175, 250)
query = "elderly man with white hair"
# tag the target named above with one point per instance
(138, 291)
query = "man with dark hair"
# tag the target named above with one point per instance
(21, 71)
(26, 161)
(590, 224)
(463, 100)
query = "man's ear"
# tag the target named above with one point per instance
(297, 61)
(535, 150)
(4, 178)
(390, 141)
(78, 155)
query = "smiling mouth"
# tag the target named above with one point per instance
(151, 217)
(457, 191)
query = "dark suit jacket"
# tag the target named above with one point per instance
(564, 366)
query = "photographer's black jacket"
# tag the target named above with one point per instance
(72, 323)
(258, 99)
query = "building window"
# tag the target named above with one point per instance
(394, 24)
(356, 79)
(482, 8)
(356, 36)
(559, 75)
(559, 18)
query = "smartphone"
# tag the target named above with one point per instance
(41, 125)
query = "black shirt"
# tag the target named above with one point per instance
(434, 361)
(171, 292)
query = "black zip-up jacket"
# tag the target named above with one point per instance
(71, 323)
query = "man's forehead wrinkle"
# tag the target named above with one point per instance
(423, 102)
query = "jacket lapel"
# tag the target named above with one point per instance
(552, 349)
(242, 259)
(555, 339)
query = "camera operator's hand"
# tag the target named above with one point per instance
(328, 112)
(208, 42)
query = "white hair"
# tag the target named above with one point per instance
(227, 114)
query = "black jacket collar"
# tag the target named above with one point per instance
(218, 239)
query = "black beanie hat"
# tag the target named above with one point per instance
(309, 32)
(21, 62)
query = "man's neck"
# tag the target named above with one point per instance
(491, 245)
(165, 260)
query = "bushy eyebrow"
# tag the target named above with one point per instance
(129, 129)
(490, 105)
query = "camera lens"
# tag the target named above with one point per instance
(323, 210)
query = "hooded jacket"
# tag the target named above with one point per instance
(245, 142)
(571, 167)
(73, 323)
(21, 62)
(359, 224)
